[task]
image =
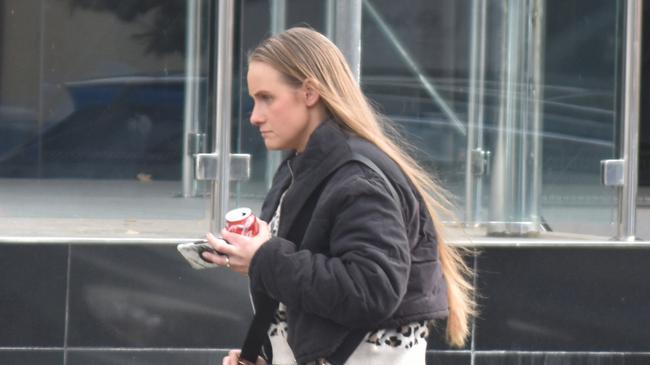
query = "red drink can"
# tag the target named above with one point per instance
(242, 221)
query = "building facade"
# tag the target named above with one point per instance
(124, 131)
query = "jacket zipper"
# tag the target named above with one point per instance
(290, 173)
(284, 193)
(250, 292)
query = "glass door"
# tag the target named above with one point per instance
(510, 104)
(101, 108)
(254, 21)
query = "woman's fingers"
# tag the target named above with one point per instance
(234, 353)
(232, 358)
(227, 361)
(235, 251)
(224, 252)
(220, 260)
(220, 245)
(233, 238)
(265, 229)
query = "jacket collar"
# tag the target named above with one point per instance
(326, 143)
(326, 150)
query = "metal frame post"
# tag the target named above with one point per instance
(194, 140)
(476, 157)
(278, 24)
(516, 176)
(223, 111)
(278, 16)
(330, 14)
(347, 33)
(626, 227)
(537, 95)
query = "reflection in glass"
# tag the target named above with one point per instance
(535, 83)
(97, 111)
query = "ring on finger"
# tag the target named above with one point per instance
(227, 261)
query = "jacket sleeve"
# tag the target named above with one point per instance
(363, 280)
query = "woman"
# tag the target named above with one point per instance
(353, 262)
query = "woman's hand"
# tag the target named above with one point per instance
(237, 255)
(233, 357)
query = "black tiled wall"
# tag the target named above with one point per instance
(564, 300)
(148, 296)
(561, 359)
(32, 295)
(142, 304)
(145, 357)
(449, 358)
(31, 357)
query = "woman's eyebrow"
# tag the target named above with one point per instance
(259, 92)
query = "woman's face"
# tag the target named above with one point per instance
(281, 111)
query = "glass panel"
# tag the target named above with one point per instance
(584, 56)
(92, 103)
(416, 71)
(255, 25)
(643, 200)
(512, 104)
(508, 103)
(257, 20)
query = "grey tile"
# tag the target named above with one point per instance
(437, 338)
(148, 296)
(437, 341)
(449, 358)
(568, 299)
(32, 295)
(561, 359)
(31, 357)
(108, 357)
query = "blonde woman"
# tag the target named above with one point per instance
(352, 267)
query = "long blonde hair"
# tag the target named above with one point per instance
(301, 54)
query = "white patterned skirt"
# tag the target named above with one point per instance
(402, 345)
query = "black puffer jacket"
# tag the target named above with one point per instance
(348, 257)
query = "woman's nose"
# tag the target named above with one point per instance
(256, 117)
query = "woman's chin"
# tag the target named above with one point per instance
(273, 146)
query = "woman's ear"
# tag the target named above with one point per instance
(312, 96)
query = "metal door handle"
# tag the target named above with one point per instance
(207, 166)
(612, 172)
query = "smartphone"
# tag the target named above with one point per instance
(192, 251)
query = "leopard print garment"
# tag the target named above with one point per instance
(404, 336)
(403, 345)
